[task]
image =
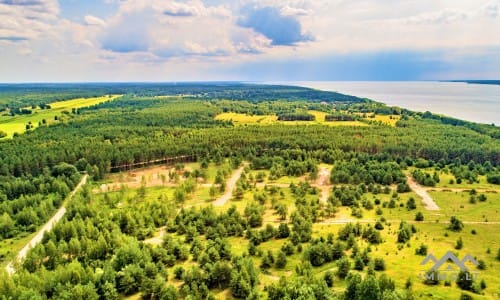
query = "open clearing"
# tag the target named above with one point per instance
(242, 119)
(12, 124)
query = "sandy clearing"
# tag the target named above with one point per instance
(158, 239)
(149, 177)
(429, 204)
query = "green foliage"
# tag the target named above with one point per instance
(455, 224)
(344, 265)
(405, 232)
(459, 244)
(465, 280)
(421, 250)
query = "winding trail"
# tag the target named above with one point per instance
(230, 185)
(47, 227)
(429, 204)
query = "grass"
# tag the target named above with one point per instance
(247, 119)
(446, 177)
(242, 119)
(17, 124)
(10, 247)
(457, 204)
(390, 120)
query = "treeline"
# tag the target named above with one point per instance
(340, 117)
(17, 96)
(491, 130)
(295, 117)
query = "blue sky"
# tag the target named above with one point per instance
(256, 40)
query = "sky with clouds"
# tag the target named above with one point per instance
(254, 40)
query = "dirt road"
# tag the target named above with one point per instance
(47, 227)
(429, 204)
(323, 184)
(230, 185)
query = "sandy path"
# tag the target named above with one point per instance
(230, 185)
(47, 227)
(157, 240)
(323, 184)
(429, 204)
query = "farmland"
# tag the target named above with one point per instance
(58, 111)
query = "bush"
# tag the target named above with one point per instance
(410, 204)
(465, 280)
(422, 250)
(281, 260)
(328, 278)
(178, 272)
(481, 265)
(379, 264)
(455, 224)
(403, 188)
(419, 216)
(344, 266)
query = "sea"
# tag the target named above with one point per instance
(472, 102)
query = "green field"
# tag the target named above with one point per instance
(17, 124)
(241, 119)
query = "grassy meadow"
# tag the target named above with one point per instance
(17, 124)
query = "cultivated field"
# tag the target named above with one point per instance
(18, 123)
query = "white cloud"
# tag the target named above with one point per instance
(25, 20)
(91, 20)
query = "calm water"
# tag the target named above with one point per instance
(473, 102)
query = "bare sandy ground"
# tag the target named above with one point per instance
(149, 177)
(323, 184)
(429, 204)
(157, 240)
(230, 185)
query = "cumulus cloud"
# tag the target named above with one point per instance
(26, 19)
(272, 23)
(178, 29)
(129, 33)
(93, 21)
(176, 9)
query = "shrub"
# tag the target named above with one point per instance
(422, 250)
(379, 264)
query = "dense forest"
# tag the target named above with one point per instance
(96, 252)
